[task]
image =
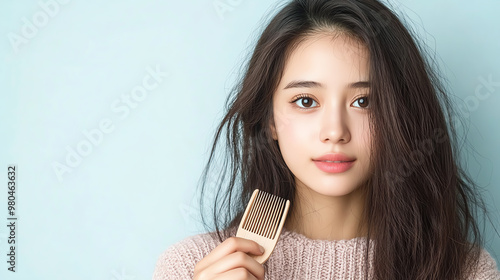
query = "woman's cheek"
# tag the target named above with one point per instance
(366, 133)
(296, 125)
(284, 120)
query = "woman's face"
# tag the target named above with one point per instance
(321, 115)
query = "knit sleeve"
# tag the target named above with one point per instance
(179, 260)
(487, 268)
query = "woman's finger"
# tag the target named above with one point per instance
(237, 274)
(237, 261)
(229, 246)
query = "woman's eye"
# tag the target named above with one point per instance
(305, 102)
(361, 102)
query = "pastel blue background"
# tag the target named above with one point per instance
(133, 195)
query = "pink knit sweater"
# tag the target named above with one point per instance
(295, 257)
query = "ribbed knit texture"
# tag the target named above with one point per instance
(295, 257)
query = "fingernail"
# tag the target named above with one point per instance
(261, 249)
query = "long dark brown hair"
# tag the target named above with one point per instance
(420, 204)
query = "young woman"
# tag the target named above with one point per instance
(339, 113)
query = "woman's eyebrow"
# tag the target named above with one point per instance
(360, 84)
(303, 84)
(313, 84)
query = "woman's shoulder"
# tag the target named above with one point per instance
(178, 260)
(486, 267)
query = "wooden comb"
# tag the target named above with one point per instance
(263, 220)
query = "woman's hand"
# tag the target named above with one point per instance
(230, 261)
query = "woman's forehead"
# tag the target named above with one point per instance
(321, 56)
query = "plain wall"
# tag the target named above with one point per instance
(107, 208)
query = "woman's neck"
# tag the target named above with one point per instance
(326, 218)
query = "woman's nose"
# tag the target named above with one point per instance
(334, 126)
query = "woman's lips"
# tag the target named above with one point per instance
(334, 167)
(334, 157)
(334, 162)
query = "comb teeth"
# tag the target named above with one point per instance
(265, 214)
